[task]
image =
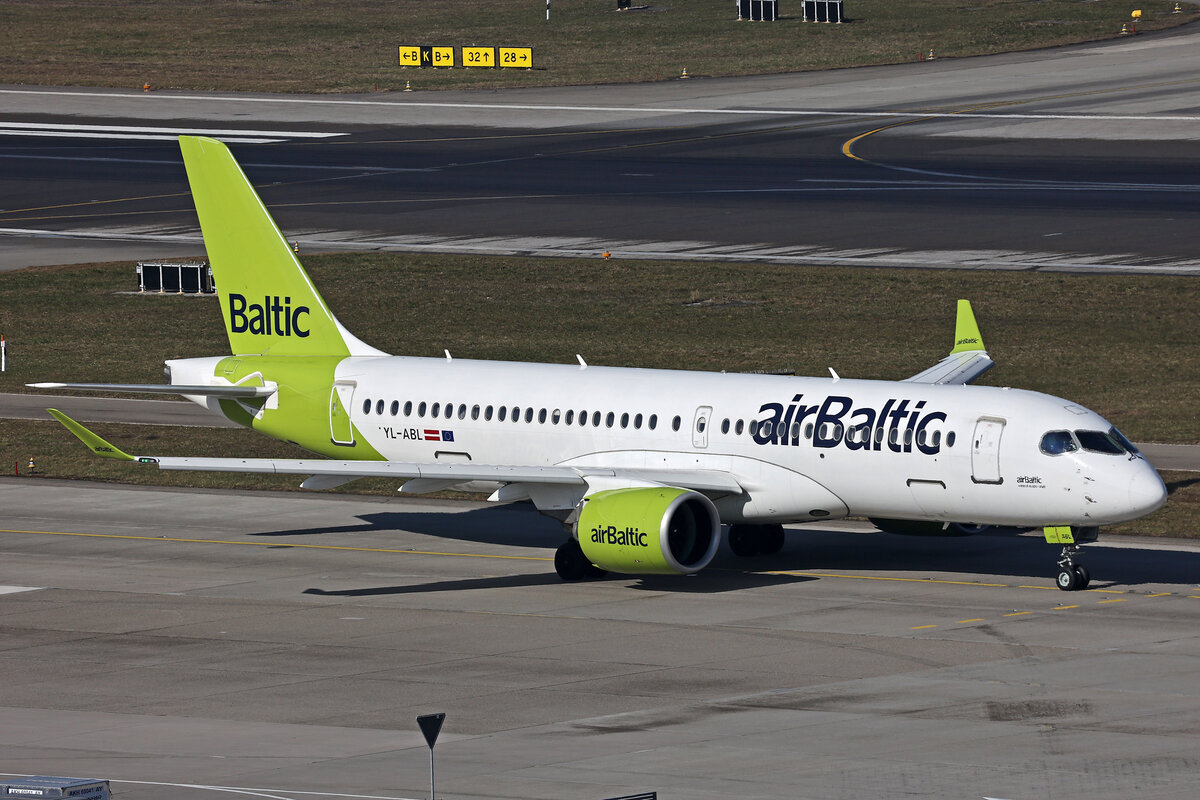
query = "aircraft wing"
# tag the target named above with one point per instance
(331, 473)
(969, 358)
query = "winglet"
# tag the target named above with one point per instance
(94, 442)
(967, 337)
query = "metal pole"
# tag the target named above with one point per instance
(432, 796)
(547, 10)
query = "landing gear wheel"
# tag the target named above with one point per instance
(570, 562)
(742, 540)
(1067, 579)
(1082, 576)
(1071, 576)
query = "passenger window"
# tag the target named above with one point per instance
(700, 423)
(421, 409)
(462, 411)
(937, 438)
(637, 421)
(738, 428)
(1056, 443)
(570, 418)
(487, 414)
(1099, 442)
(502, 413)
(542, 417)
(450, 411)
(555, 416)
(408, 408)
(808, 431)
(752, 428)
(609, 418)
(529, 415)
(516, 413)
(950, 439)
(675, 424)
(366, 406)
(595, 419)
(725, 425)
(879, 436)
(474, 412)
(625, 420)
(653, 421)
(435, 409)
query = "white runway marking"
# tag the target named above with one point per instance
(153, 133)
(18, 589)
(276, 794)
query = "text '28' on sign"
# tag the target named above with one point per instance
(479, 57)
(519, 57)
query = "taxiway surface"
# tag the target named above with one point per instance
(183, 643)
(1079, 158)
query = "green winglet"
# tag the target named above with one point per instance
(966, 331)
(94, 442)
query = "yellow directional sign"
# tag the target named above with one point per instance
(438, 57)
(410, 56)
(520, 57)
(479, 57)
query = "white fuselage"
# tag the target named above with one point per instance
(848, 447)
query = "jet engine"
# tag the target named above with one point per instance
(649, 530)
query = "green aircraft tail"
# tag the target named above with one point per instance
(269, 304)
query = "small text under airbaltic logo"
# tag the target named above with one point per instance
(272, 318)
(610, 535)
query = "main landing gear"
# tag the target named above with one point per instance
(572, 565)
(755, 540)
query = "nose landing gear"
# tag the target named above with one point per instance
(1072, 576)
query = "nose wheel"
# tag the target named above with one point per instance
(1072, 577)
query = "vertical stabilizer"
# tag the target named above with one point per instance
(268, 302)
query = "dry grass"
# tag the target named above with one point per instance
(350, 45)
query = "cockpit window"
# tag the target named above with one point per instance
(1120, 437)
(1099, 442)
(1056, 443)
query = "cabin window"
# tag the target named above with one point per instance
(725, 425)
(893, 435)
(542, 417)
(462, 412)
(1099, 442)
(570, 418)
(502, 414)
(435, 409)
(908, 434)
(739, 427)
(950, 439)
(637, 421)
(450, 411)
(555, 416)
(487, 414)
(366, 406)
(595, 419)
(609, 418)
(421, 409)
(379, 407)
(879, 436)
(752, 427)
(808, 431)
(625, 420)
(653, 421)
(474, 412)
(765, 428)
(675, 423)
(408, 408)
(395, 409)
(529, 414)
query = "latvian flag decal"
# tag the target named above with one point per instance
(438, 436)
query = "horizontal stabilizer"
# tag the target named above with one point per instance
(163, 388)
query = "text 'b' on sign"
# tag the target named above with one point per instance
(410, 56)
(479, 57)
(521, 57)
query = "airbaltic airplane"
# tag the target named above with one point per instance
(641, 466)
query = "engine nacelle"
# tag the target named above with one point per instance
(649, 530)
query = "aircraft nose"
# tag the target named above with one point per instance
(1147, 492)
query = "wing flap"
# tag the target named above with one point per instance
(199, 390)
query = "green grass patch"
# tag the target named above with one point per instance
(350, 45)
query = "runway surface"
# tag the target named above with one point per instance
(282, 646)
(1080, 158)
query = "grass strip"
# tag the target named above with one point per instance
(351, 45)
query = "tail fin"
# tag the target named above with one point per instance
(269, 304)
